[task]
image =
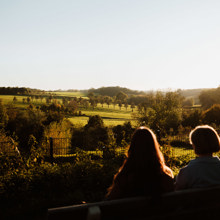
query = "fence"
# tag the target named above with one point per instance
(61, 147)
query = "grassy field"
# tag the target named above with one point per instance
(71, 94)
(111, 115)
(8, 99)
(82, 121)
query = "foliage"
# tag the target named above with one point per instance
(161, 112)
(123, 133)
(24, 124)
(94, 122)
(210, 97)
(3, 115)
(61, 129)
(121, 96)
(192, 118)
(93, 135)
(53, 116)
(113, 91)
(14, 90)
(45, 185)
(7, 144)
(212, 115)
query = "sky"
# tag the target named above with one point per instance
(137, 44)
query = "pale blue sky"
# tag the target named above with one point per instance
(138, 44)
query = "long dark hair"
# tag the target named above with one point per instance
(144, 164)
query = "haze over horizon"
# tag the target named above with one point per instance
(141, 45)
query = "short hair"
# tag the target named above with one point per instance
(205, 139)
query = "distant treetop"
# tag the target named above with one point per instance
(17, 91)
(113, 91)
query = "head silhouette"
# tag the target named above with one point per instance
(205, 140)
(144, 146)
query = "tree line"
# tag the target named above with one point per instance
(18, 91)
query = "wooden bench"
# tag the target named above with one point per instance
(193, 203)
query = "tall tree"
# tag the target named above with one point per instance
(161, 111)
(212, 115)
(121, 96)
(209, 97)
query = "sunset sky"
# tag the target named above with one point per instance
(82, 44)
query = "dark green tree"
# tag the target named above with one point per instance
(25, 123)
(94, 135)
(209, 97)
(212, 115)
(94, 122)
(121, 96)
(161, 111)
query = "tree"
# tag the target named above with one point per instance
(192, 118)
(85, 103)
(53, 116)
(132, 106)
(92, 102)
(94, 121)
(212, 115)
(123, 133)
(114, 101)
(91, 95)
(108, 100)
(25, 123)
(94, 134)
(61, 130)
(126, 105)
(28, 99)
(72, 106)
(209, 97)
(119, 104)
(121, 96)
(101, 100)
(161, 111)
(15, 99)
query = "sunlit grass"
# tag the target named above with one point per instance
(103, 114)
(71, 94)
(82, 121)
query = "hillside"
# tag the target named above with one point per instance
(192, 93)
(113, 91)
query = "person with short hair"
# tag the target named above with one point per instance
(204, 171)
(143, 172)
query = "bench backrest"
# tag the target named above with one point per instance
(185, 203)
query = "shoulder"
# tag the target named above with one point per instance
(183, 178)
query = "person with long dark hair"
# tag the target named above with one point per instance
(144, 171)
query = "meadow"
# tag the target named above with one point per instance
(71, 94)
(112, 115)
